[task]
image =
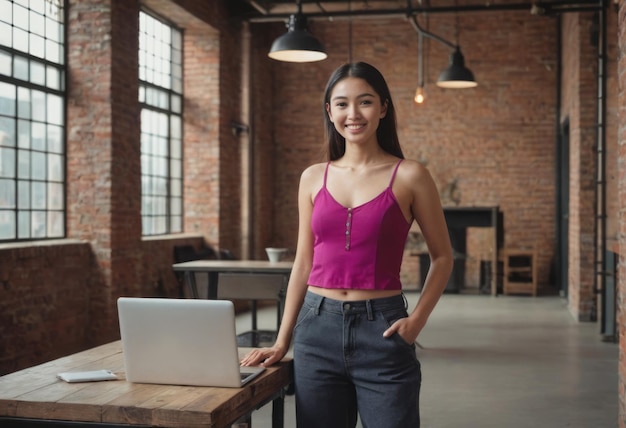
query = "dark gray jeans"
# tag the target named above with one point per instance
(344, 365)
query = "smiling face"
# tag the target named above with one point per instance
(355, 109)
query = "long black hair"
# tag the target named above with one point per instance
(386, 133)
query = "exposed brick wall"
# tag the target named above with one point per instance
(44, 303)
(579, 85)
(580, 67)
(265, 150)
(104, 132)
(201, 131)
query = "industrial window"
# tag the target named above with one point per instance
(32, 120)
(160, 96)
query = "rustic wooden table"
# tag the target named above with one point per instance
(34, 396)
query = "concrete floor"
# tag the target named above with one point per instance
(503, 362)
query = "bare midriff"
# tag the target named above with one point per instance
(351, 294)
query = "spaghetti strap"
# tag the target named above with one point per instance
(393, 176)
(326, 173)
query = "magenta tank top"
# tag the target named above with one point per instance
(359, 247)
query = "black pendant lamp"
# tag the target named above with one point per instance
(297, 45)
(456, 76)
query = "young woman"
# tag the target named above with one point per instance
(354, 341)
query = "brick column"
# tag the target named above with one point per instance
(103, 173)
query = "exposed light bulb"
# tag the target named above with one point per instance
(420, 96)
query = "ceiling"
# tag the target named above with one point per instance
(279, 10)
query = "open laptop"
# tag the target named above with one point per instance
(181, 342)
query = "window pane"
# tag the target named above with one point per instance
(38, 136)
(37, 23)
(7, 224)
(176, 188)
(55, 109)
(53, 78)
(177, 85)
(176, 104)
(146, 224)
(38, 105)
(158, 225)
(23, 134)
(176, 169)
(20, 39)
(24, 224)
(20, 17)
(20, 68)
(38, 225)
(38, 166)
(7, 162)
(6, 35)
(23, 164)
(23, 103)
(53, 52)
(176, 206)
(7, 193)
(36, 6)
(55, 168)
(7, 132)
(55, 139)
(176, 129)
(55, 196)
(37, 46)
(38, 191)
(177, 149)
(7, 7)
(37, 73)
(163, 101)
(7, 99)
(56, 224)
(53, 30)
(5, 58)
(23, 190)
(176, 223)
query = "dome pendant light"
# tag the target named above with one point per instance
(456, 76)
(297, 45)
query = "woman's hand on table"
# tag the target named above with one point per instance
(263, 356)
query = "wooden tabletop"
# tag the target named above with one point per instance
(37, 393)
(255, 266)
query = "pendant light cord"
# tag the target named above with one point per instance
(350, 32)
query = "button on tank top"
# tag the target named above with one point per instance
(358, 247)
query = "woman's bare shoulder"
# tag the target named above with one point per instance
(313, 172)
(312, 179)
(413, 171)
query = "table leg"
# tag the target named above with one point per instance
(254, 313)
(278, 411)
(212, 292)
(190, 278)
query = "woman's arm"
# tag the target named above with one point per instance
(426, 208)
(297, 286)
